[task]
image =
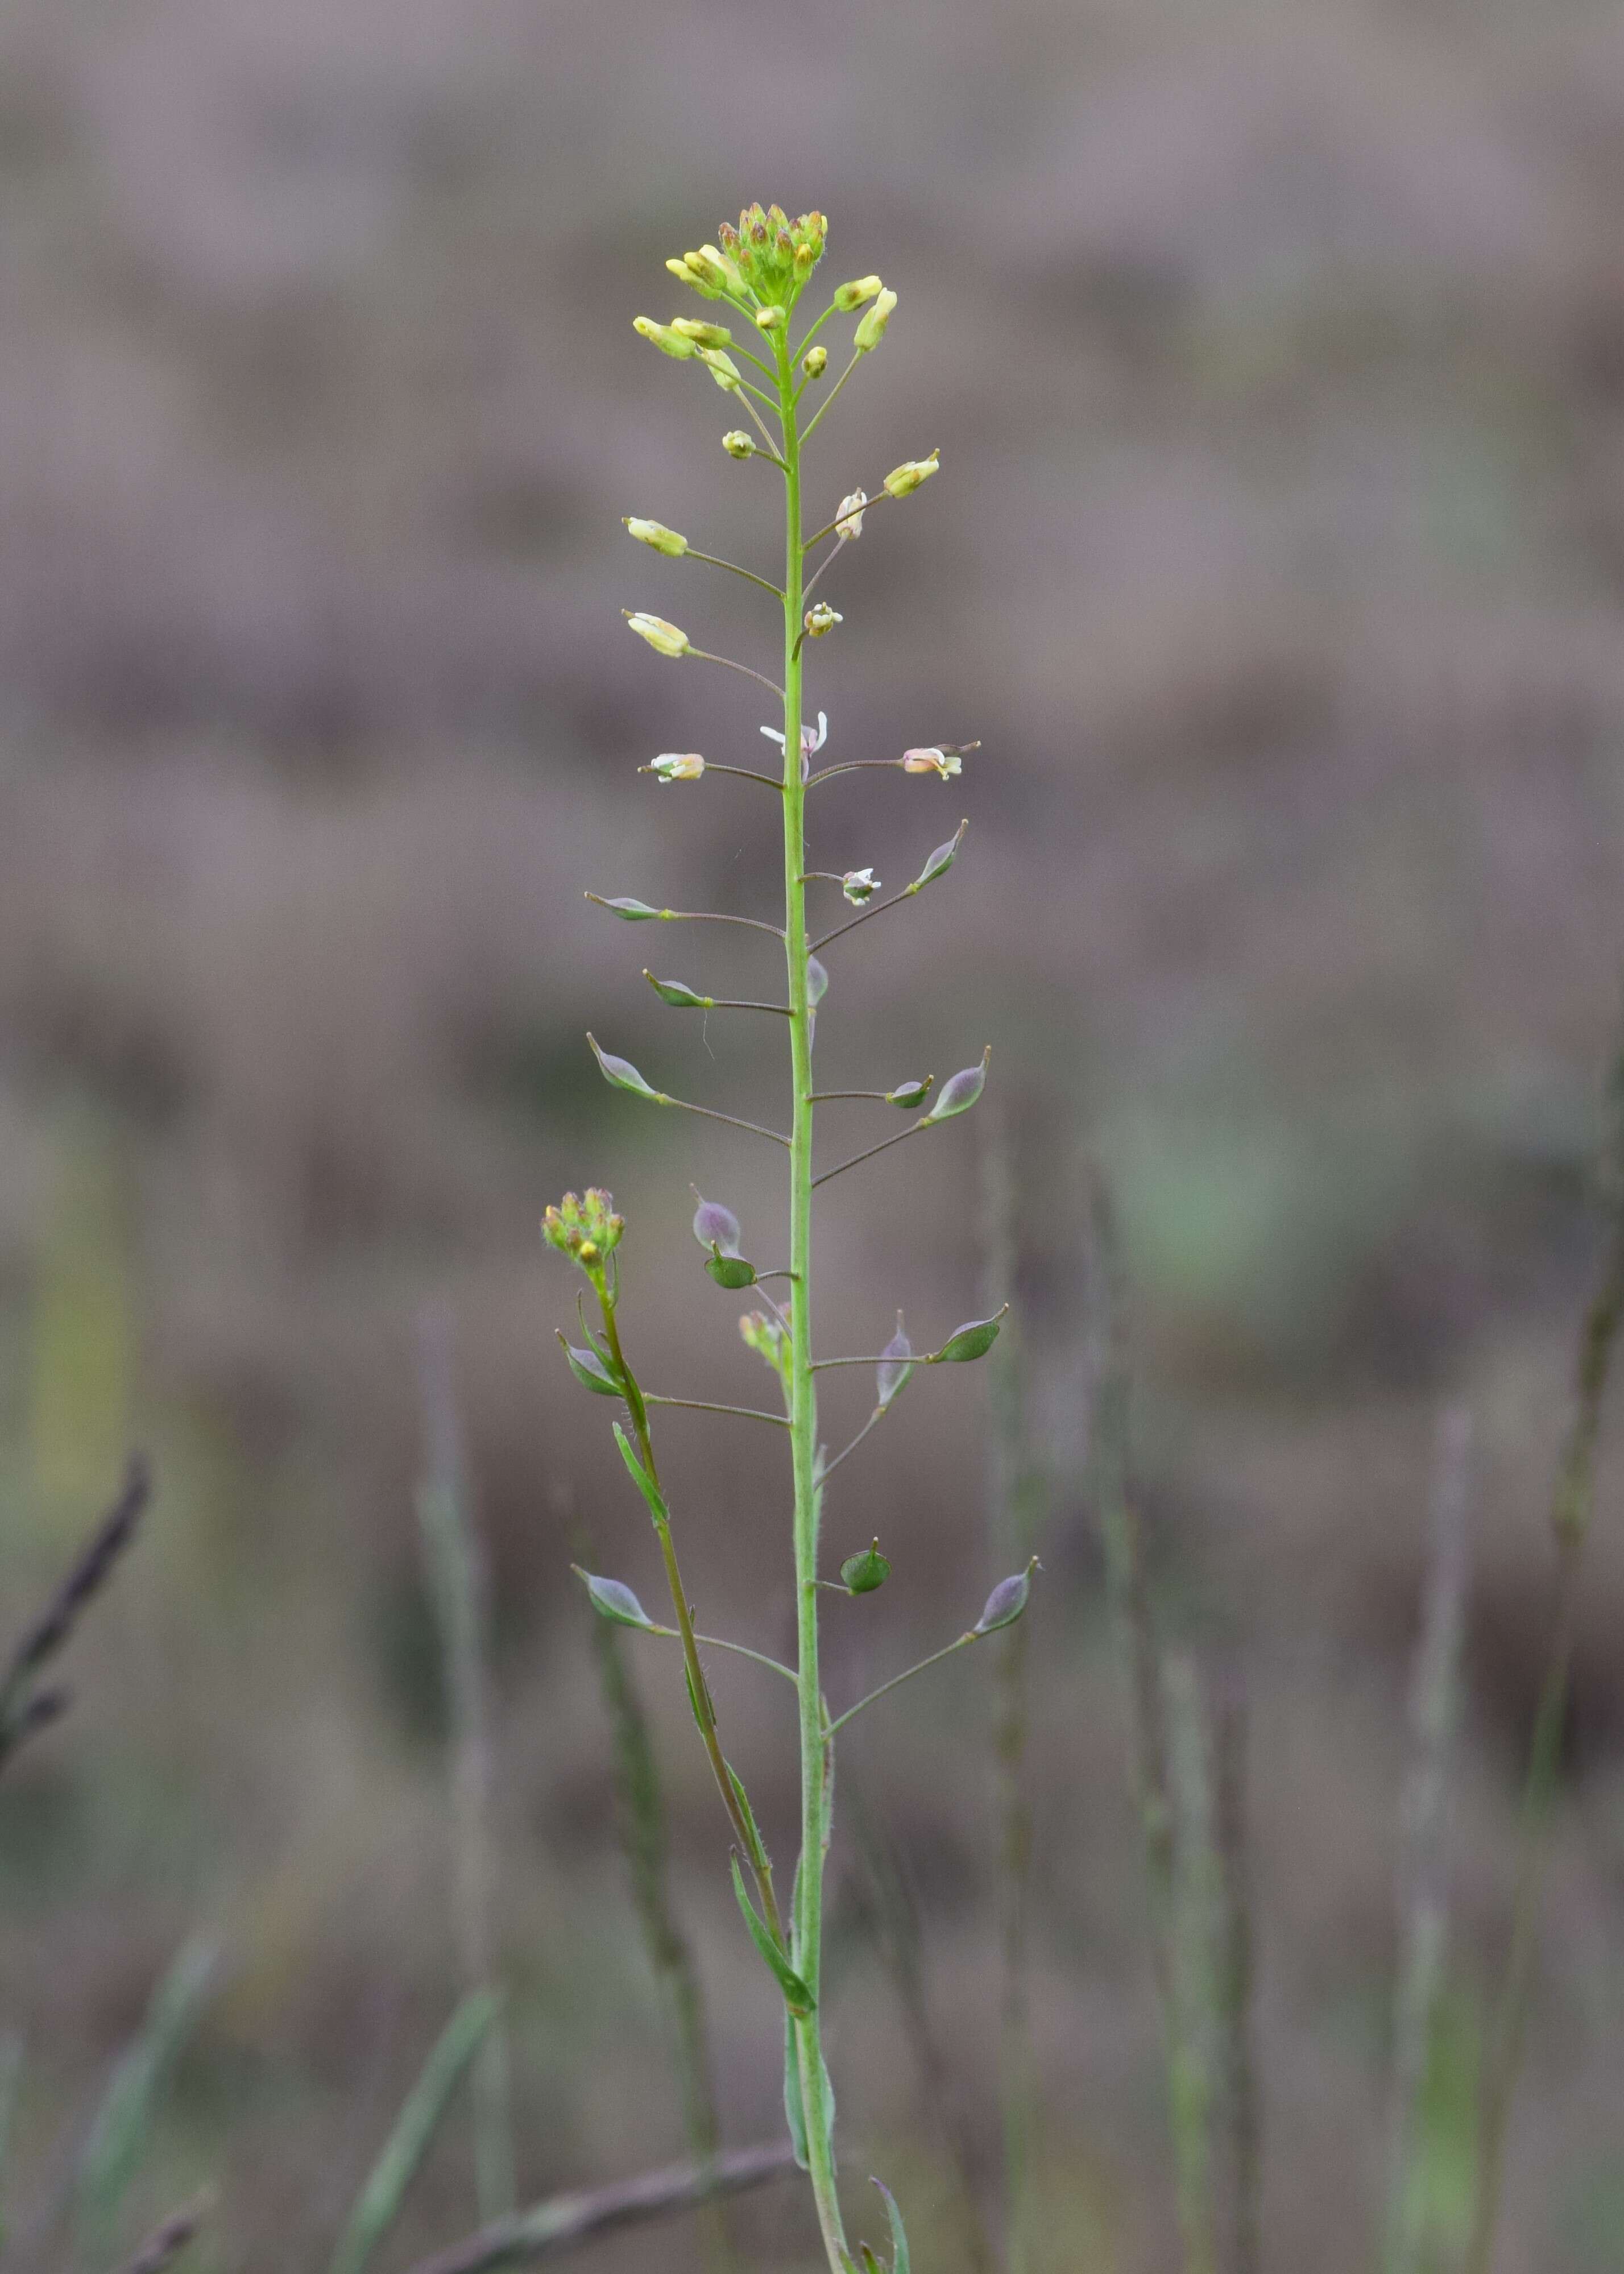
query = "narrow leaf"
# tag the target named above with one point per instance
(797, 1997)
(758, 1853)
(641, 1478)
(974, 1340)
(379, 2199)
(591, 1371)
(794, 2107)
(623, 1073)
(121, 2125)
(899, 2233)
(611, 1599)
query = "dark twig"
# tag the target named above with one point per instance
(561, 2223)
(22, 1709)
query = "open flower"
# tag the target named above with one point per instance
(850, 520)
(821, 619)
(859, 884)
(812, 738)
(660, 635)
(944, 764)
(677, 766)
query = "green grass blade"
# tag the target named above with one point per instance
(380, 2200)
(11, 2085)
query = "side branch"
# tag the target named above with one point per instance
(885, 1145)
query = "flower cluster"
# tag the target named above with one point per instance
(774, 255)
(588, 1230)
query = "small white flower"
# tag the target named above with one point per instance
(851, 520)
(812, 738)
(943, 762)
(677, 766)
(859, 884)
(821, 619)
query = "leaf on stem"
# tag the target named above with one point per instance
(899, 2233)
(644, 1482)
(797, 1997)
(614, 1602)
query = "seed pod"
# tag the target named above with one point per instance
(591, 1371)
(655, 533)
(817, 981)
(679, 997)
(910, 1094)
(960, 1091)
(1007, 1600)
(629, 911)
(941, 860)
(730, 1270)
(661, 636)
(716, 1226)
(614, 1602)
(623, 1073)
(896, 1367)
(862, 1574)
(968, 1342)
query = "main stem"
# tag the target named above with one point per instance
(809, 1919)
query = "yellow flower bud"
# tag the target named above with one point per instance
(738, 444)
(660, 635)
(851, 295)
(702, 334)
(771, 320)
(722, 368)
(904, 479)
(657, 534)
(871, 331)
(664, 338)
(814, 363)
(712, 271)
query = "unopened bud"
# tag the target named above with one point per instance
(664, 338)
(589, 1229)
(722, 368)
(712, 272)
(657, 534)
(859, 885)
(851, 295)
(904, 479)
(704, 334)
(675, 767)
(814, 363)
(850, 521)
(661, 636)
(738, 444)
(871, 331)
(771, 320)
(821, 619)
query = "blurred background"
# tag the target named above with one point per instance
(1275, 355)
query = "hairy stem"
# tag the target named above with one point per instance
(808, 1924)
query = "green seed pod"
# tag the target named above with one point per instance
(862, 1574)
(656, 533)
(738, 444)
(591, 1371)
(903, 480)
(730, 1270)
(896, 1367)
(960, 1091)
(629, 911)
(1007, 1600)
(910, 1094)
(716, 1226)
(614, 1602)
(623, 1073)
(968, 1342)
(871, 331)
(940, 861)
(851, 295)
(814, 363)
(679, 997)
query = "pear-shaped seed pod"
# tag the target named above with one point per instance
(1007, 1600)
(960, 1091)
(613, 1600)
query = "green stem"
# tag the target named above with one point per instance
(807, 1948)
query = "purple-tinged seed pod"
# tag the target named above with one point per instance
(613, 1601)
(1007, 1600)
(895, 1365)
(716, 1226)
(959, 1092)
